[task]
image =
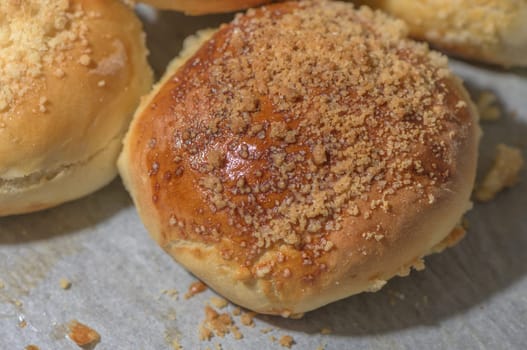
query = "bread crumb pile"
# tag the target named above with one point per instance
(220, 324)
(327, 112)
(488, 108)
(36, 35)
(216, 324)
(503, 174)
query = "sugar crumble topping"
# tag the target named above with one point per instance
(36, 34)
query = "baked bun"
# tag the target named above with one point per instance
(202, 7)
(71, 75)
(492, 31)
(303, 153)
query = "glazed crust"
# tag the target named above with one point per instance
(280, 198)
(72, 75)
(491, 31)
(202, 7)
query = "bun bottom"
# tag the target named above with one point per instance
(51, 188)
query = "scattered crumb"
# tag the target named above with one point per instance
(487, 106)
(172, 337)
(22, 323)
(205, 333)
(18, 303)
(195, 288)
(82, 335)
(218, 302)
(247, 319)
(272, 338)
(325, 330)
(175, 345)
(236, 311)
(171, 315)
(503, 174)
(172, 293)
(65, 283)
(266, 330)
(286, 341)
(236, 333)
(2, 285)
(32, 347)
(321, 347)
(215, 324)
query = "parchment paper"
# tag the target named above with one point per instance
(473, 296)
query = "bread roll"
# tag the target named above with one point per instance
(202, 7)
(303, 153)
(492, 31)
(71, 74)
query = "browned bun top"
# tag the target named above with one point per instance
(300, 141)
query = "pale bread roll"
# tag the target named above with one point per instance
(303, 153)
(491, 31)
(71, 75)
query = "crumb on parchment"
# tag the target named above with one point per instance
(503, 174)
(488, 107)
(218, 302)
(65, 283)
(82, 335)
(286, 341)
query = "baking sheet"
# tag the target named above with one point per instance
(473, 296)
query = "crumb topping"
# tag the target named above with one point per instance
(65, 283)
(36, 34)
(286, 136)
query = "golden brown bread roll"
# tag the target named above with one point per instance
(71, 74)
(201, 7)
(492, 31)
(303, 153)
